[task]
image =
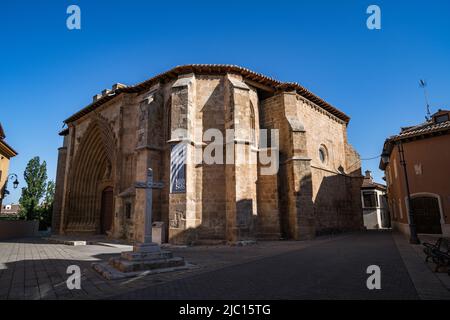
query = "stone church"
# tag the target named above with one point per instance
(110, 144)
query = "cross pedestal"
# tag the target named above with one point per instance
(147, 245)
(146, 256)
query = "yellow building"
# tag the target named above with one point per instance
(6, 153)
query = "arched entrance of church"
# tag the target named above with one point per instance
(106, 210)
(90, 203)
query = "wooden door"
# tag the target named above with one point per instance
(427, 215)
(107, 210)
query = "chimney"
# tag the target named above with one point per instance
(105, 92)
(96, 97)
(117, 86)
(369, 175)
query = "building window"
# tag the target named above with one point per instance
(128, 210)
(323, 154)
(394, 212)
(395, 170)
(442, 118)
(252, 125)
(169, 119)
(400, 208)
(370, 199)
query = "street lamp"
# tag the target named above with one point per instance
(16, 182)
(5, 188)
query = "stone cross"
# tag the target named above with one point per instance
(148, 185)
(148, 207)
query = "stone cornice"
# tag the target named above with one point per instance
(297, 159)
(320, 110)
(247, 75)
(7, 150)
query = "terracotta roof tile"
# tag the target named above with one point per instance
(213, 69)
(428, 127)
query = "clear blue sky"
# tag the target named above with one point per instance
(48, 72)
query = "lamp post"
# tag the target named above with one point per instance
(5, 191)
(412, 225)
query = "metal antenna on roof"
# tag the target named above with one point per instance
(423, 85)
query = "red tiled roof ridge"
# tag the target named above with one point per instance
(424, 129)
(415, 127)
(421, 131)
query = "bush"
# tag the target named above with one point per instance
(45, 217)
(9, 218)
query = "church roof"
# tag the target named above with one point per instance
(212, 69)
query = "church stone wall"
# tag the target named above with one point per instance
(210, 200)
(222, 201)
(314, 197)
(334, 181)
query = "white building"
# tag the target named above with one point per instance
(375, 209)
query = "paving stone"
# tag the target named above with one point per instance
(331, 270)
(324, 268)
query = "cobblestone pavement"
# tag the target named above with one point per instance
(330, 270)
(429, 285)
(325, 268)
(36, 269)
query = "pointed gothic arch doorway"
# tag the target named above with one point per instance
(89, 209)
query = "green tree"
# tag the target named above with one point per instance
(46, 209)
(49, 194)
(35, 176)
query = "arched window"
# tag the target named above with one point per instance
(323, 154)
(252, 124)
(168, 110)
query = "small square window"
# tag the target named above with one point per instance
(442, 118)
(370, 200)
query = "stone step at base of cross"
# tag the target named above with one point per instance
(111, 273)
(139, 256)
(124, 265)
(145, 258)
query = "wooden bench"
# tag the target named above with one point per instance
(439, 253)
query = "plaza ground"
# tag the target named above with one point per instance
(331, 267)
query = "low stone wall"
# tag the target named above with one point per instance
(10, 229)
(402, 227)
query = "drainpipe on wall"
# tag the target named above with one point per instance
(413, 239)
